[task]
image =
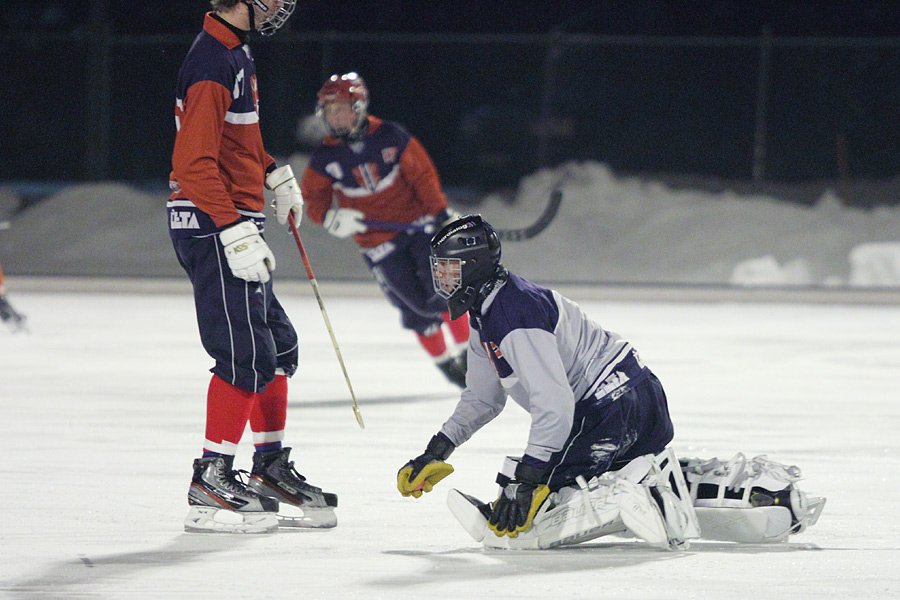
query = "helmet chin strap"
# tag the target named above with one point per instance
(258, 4)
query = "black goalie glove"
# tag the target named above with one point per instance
(521, 497)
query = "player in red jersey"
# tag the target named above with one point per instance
(369, 172)
(219, 171)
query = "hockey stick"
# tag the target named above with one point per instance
(509, 235)
(315, 287)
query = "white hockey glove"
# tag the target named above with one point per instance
(287, 194)
(344, 222)
(248, 254)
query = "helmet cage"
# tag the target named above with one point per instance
(446, 275)
(276, 21)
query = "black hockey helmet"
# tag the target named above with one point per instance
(465, 255)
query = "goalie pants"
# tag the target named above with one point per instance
(609, 432)
(242, 325)
(402, 267)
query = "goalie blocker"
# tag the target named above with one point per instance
(748, 501)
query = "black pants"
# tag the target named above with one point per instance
(242, 325)
(404, 275)
(609, 432)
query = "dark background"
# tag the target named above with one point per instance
(622, 17)
(745, 91)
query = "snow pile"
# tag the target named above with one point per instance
(609, 229)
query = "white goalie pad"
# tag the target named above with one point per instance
(749, 500)
(638, 499)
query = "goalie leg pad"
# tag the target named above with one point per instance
(750, 501)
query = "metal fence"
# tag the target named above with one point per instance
(489, 108)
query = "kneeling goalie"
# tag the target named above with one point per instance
(596, 461)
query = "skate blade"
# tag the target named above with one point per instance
(209, 519)
(295, 517)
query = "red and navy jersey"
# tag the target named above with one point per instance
(387, 174)
(219, 163)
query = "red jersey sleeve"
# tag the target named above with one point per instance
(196, 153)
(317, 194)
(419, 172)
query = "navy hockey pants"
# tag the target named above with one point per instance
(404, 274)
(609, 432)
(242, 325)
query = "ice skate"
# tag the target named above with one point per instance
(454, 369)
(302, 504)
(13, 319)
(221, 503)
(750, 501)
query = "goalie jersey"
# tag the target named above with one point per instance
(539, 348)
(218, 163)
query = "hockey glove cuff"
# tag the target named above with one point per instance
(287, 194)
(423, 472)
(521, 497)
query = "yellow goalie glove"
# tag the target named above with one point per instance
(422, 473)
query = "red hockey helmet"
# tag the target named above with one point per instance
(348, 87)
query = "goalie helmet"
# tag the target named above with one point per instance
(465, 258)
(349, 88)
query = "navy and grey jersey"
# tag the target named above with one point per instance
(539, 348)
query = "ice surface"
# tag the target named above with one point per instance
(102, 411)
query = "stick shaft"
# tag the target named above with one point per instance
(315, 287)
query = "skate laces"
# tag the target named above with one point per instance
(232, 480)
(288, 472)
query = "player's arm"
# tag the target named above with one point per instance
(422, 176)
(318, 192)
(196, 152)
(533, 356)
(423, 472)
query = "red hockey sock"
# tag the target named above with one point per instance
(269, 414)
(434, 344)
(459, 327)
(227, 410)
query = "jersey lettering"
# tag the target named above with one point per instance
(183, 220)
(334, 169)
(236, 92)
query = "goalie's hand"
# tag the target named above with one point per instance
(344, 222)
(423, 472)
(247, 253)
(288, 198)
(521, 497)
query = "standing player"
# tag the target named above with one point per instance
(374, 170)
(595, 409)
(13, 319)
(219, 169)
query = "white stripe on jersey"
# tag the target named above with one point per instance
(247, 118)
(359, 192)
(182, 203)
